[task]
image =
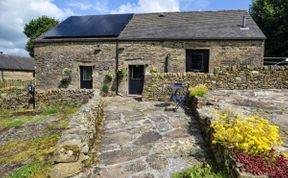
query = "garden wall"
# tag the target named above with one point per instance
(14, 98)
(235, 77)
(79, 143)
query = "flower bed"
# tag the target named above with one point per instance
(245, 146)
(250, 142)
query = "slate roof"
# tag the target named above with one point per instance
(18, 63)
(204, 25)
(192, 25)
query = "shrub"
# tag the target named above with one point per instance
(105, 88)
(153, 70)
(199, 90)
(122, 73)
(66, 78)
(109, 77)
(67, 71)
(198, 171)
(252, 135)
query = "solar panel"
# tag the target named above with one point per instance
(90, 26)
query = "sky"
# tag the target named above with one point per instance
(14, 14)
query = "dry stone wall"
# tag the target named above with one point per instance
(236, 77)
(15, 98)
(78, 145)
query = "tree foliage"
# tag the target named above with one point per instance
(272, 17)
(37, 27)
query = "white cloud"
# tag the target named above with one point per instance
(99, 6)
(143, 6)
(14, 14)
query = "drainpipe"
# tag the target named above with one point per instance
(116, 66)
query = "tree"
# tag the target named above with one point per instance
(37, 27)
(272, 17)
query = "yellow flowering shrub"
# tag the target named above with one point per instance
(153, 70)
(252, 135)
(199, 90)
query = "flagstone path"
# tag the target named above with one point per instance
(143, 140)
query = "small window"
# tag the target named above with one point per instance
(137, 72)
(197, 60)
(87, 73)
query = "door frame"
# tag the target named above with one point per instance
(81, 75)
(128, 78)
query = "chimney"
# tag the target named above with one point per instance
(244, 22)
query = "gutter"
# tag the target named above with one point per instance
(142, 39)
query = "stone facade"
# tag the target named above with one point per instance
(235, 77)
(16, 75)
(52, 58)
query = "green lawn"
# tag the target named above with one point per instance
(35, 153)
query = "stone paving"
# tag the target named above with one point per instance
(147, 139)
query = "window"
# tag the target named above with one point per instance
(197, 60)
(87, 73)
(137, 72)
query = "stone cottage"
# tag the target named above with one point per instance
(120, 49)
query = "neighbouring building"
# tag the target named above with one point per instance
(127, 46)
(16, 68)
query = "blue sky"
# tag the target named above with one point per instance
(14, 14)
(88, 7)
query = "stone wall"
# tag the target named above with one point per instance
(52, 58)
(15, 98)
(77, 147)
(235, 77)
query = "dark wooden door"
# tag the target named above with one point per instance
(136, 79)
(86, 77)
(197, 60)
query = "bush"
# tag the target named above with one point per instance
(153, 70)
(122, 73)
(109, 77)
(199, 90)
(252, 135)
(67, 71)
(198, 171)
(105, 88)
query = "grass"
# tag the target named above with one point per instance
(27, 171)
(37, 149)
(35, 153)
(199, 171)
(51, 110)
